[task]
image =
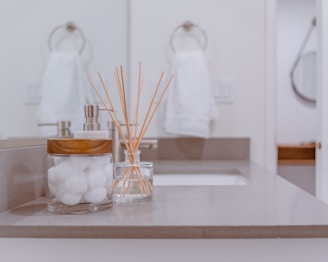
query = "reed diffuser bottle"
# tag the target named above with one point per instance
(133, 179)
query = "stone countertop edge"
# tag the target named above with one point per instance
(164, 232)
(268, 207)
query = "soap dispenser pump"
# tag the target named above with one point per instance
(91, 113)
(91, 127)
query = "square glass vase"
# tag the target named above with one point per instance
(133, 179)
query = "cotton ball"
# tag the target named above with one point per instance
(52, 175)
(58, 159)
(80, 162)
(108, 170)
(99, 162)
(96, 195)
(70, 199)
(101, 171)
(59, 191)
(76, 185)
(96, 178)
(65, 170)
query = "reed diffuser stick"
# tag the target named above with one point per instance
(140, 84)
(134, 135)
(147, 122)
(111, 111)
(120, 85)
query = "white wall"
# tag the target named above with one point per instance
(236, 48)
(296, 119)
(24, 30)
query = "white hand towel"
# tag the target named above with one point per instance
(190, 103)
(63, 92)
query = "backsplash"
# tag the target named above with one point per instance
(23, 175)
(187, 148)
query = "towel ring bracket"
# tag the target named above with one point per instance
(188, 26)
(69, 27)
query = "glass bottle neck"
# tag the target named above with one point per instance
(132, 157)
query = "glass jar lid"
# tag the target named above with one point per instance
(78, 146)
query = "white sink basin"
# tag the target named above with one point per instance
(199, 179)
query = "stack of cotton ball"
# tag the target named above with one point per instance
(77, 179)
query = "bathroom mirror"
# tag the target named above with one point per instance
(25, 31)
(303, 77)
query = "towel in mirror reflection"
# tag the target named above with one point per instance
(64, 92)
(190, 103)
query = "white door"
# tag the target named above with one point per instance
(322, 102)
(271, 151)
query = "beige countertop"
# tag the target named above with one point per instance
(268, 207)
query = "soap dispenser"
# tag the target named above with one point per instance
(91, 127)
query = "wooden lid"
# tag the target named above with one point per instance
(79, 146)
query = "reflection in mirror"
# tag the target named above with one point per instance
(25, 51)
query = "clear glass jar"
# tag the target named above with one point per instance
(133, 179)
(80, 175)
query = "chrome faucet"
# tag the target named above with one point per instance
(63, 128)
(117, 143)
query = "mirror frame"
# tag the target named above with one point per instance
(307, 99)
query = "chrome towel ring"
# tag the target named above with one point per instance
(188, 26)
(70, 27)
